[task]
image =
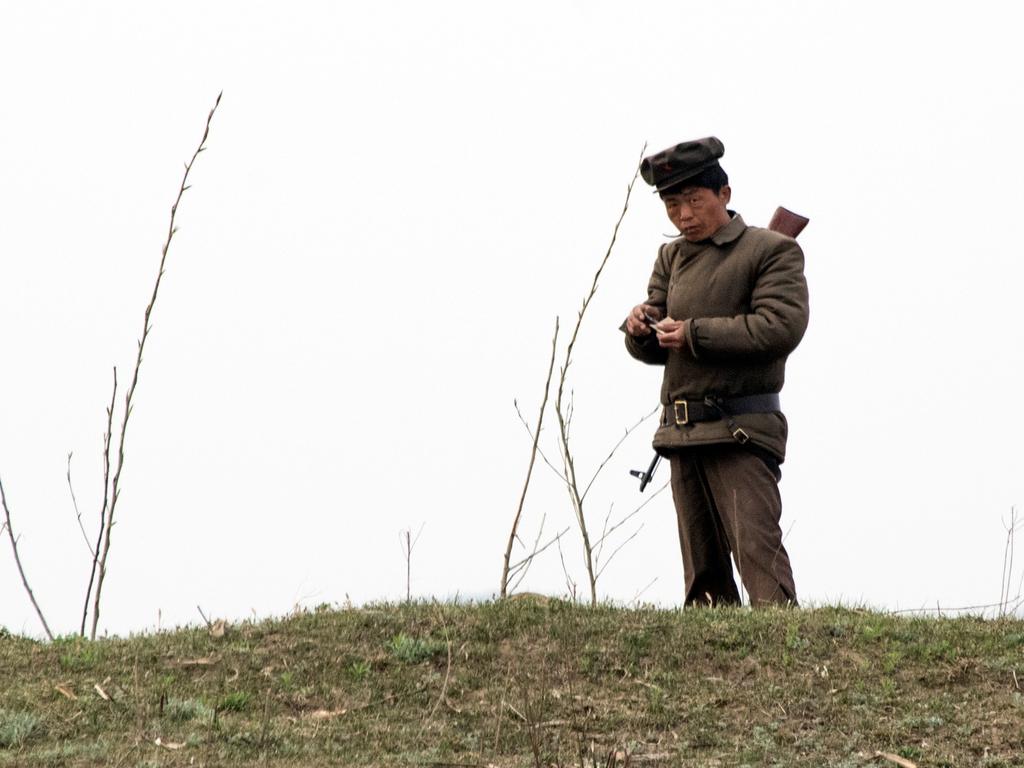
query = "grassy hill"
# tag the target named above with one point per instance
(525, 683)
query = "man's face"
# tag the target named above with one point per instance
(698, 212)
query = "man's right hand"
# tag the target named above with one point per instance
(637, 324)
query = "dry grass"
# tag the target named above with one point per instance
(522, 683)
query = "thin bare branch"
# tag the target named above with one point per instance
(533, 458)
(570, 585)
(599, 544)
(636, 597)
(1011, 535)
(540, 451)
(961, 608)
(635, 512)
(106, 501)
(17, 560)
(115, 485)
(611, 453)
(524, 565)
(525, 562)
(78, 514)
(619, 549)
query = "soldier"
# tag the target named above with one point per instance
(726, 304)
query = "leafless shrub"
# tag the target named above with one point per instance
(408, 544)
(569, 472)
(112, 480)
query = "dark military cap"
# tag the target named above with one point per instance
(681, 162)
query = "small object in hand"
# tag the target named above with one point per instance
(650, 320)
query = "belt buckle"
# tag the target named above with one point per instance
(686, 412)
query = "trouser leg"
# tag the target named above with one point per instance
(747, 499)
(703, 541)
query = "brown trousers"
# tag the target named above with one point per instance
(728, 503)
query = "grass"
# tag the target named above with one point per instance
(525, 683)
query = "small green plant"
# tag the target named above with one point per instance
(636, 645)
(656, 700)
(235, 702)
(184, 710)
(413, 650)
(81, 656)
(16, 727)
(359, 670)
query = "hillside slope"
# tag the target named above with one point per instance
(525, 683)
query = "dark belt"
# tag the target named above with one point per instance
(683, 412)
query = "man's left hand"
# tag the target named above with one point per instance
(671, 333)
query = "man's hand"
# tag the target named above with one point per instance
(671, 333)
(637, 323)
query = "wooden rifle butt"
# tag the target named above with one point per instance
(787, 222)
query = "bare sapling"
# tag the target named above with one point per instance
(100, 552)
(513, 573)
(563, 405)
(408, 544)
(1008, 602)
(115, 490)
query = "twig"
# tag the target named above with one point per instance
(565, 414)
(516, 712)
(17, 560)
(632, 514)
(78, 514)
(1011, 531)
(407, 547)
(525, 563)
(611, 453)
(540, 451)
(599, 545)
(529, 469)
(896, 759)
(522, 567)
(106, 499)
(115, 490)
(985, 606)
(618, 549)
(636, 598)
(570, 585)
(209, 624)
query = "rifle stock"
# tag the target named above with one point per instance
(787, 222)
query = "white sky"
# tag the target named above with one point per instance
(399, 198)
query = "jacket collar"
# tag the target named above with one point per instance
(730, 231)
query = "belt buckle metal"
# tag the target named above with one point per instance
(740, 435)
(686, 412)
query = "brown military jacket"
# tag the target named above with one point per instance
(744, 298)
